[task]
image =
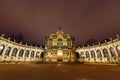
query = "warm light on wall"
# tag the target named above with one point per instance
(118, 47)
(59, 52)
(1, 47)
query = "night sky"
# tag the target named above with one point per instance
(84, 19)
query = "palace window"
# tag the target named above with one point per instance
(112, 52)
(60, 42)
(32, 54)
(118, 50)
(8, 51)
(1, 49)
(99, 53)
(37, 54)
(21, 53)
(82, 55)
(27, 53)
(69, 43)
(50, 42)
(92, 54)
(42, 55)
(14, 52)
(105, 52)
(87, 54)
(77, 55)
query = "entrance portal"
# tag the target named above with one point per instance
(59, 56)
(59, 59)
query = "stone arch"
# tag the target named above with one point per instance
(87, 54)
(112, 52)
(118, 50)
(77, 55)
(92, 54)
(27, 53)
(37, 54)
(32, 54)
(82, 55)
(60, 42)
(2, 47)
(99, 54)
(105, 52)
(42, 55)
(14, 52)
(7, 52)
(21, 53)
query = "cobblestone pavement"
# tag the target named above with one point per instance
(59, 72)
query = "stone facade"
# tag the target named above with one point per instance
(60, 47)
(10, 51)
(108, 52)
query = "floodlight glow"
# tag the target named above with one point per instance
(60, 53)
(1, 47)
(118, 47)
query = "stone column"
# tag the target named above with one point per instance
(101, 50)
(23, 58)
(109, 58)
(35, 54)
(84, 56)
(11, 52)
(17, 54)
(29, 55)
(89, 55)
(116, 53)
(24, 53)
(95, 59)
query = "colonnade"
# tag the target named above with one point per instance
(108, 52)
(12, 51)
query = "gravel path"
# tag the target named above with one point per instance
(59, 72)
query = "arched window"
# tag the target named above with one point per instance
(87, 54)
(99, 54)
(65, 36)
(60, 43)
(14, 52)
(105, 53)
(50, 42)
(92, 54)
(118, 50)
(69, 43)
(1, 49)
(27, 54)
(112, 52)
(8, 51)
(21, 53)
(37, 54)
(42, 55)
(82, 55)
(32, 54)
(77, 55)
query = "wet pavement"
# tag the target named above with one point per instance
(59, 72)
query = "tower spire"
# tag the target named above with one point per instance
(59, 28)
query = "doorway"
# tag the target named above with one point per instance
(59, 56)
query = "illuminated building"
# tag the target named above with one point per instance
(60, 47)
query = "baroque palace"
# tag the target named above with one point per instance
(59, 47)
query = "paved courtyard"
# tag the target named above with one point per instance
(59, 72)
